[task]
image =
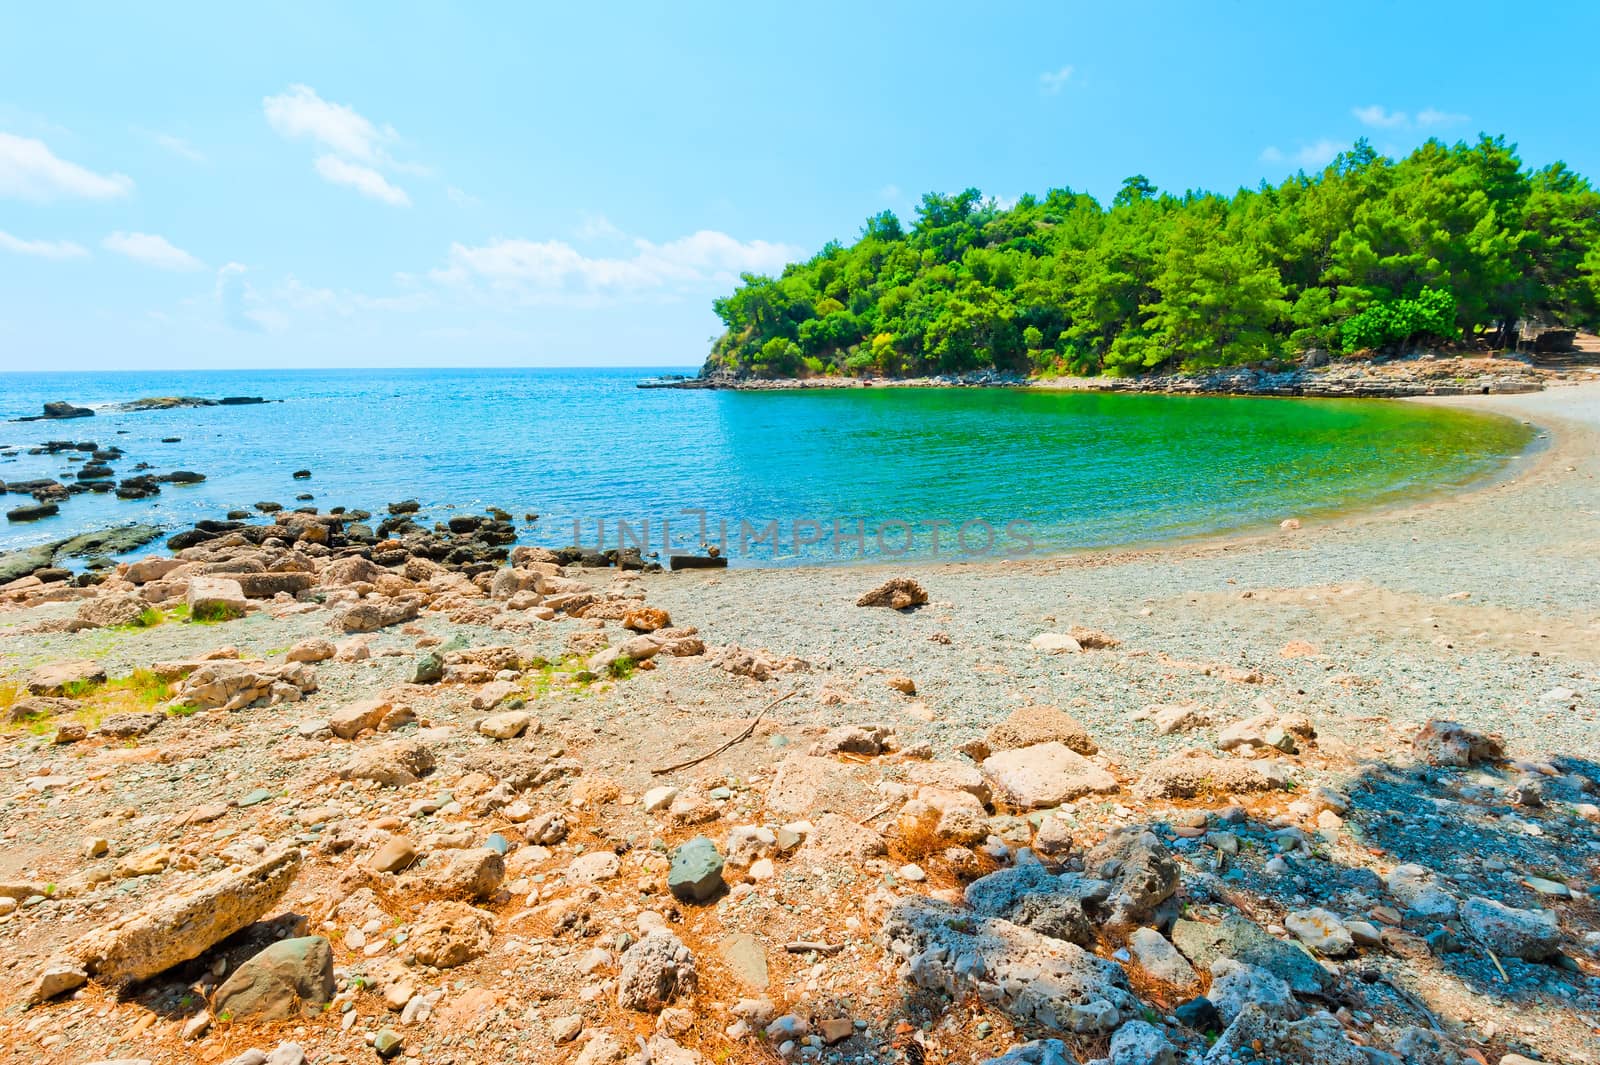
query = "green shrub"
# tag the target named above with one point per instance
(1431, 315)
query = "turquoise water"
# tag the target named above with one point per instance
(1022, 471)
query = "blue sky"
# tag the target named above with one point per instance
(205, 185)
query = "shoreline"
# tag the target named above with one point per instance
(1400, 378)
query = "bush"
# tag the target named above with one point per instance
(1432, 314)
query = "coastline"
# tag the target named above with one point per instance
(1424, 375)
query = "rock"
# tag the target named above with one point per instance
(505, 726)
(277, 982)
(1198, 775)
(1157, 956)
(1032, 977)
(493, 694)
(943, 816)
(1235, 985)
(1282, 732)
(1141, 871)
(110, 611)
(837, 839)
(1036, 723)
(57, 677)
(1030, 895)
(38, 707)
(654, 972)
(429, 669)
(370, 615)
(1322, 931)
(315, 649)
(546, 829)
(175, 928)
(1532, 935)
(646, 619)
(1448, 743)
(1242, 940)
(696, 872)
(447, 934)
(396, 854)
(33, 511)
(392, 764)
(1141, 1043)
(1036, 1052)
(746, 958)
(130, 726)
(897, 593)
(1417, 890)
(658, 798)
(351, 720)
(1055, 643)
(231, 685)
(1178, 718)
(1258, 1035)
(871, 739)
(57, 978)
(215, 598)
(565, 1029)
(592, 868)
(1045, 774)
(71, 732)
(1200, 1014)
(388, 1043)
(470, 873)
(601, 1049)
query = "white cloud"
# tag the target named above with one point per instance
(542, 270)
(461, 198)
(179, 147)
(29, 170)
(1378, 118)
(1313, 156)
(301, 113)
(353, 143)
(152, 250)
(238, 301)
(1053, 81)
(363, 179)
(1430, 117)
(595, 226)
(43, 249)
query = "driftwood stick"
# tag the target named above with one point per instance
(740, 738)
(805, 947)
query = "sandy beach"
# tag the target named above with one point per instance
(1309, 669)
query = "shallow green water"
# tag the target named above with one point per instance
(835, 467)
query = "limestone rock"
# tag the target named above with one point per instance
(370, 615)
(838, 839)
(447, 934)
(897, 593)
(178, 927)
(1045, 774)
(393, 763)
(506, 725)
(1235, 985)
(654, 972)
(1141, 871)
(1197, 775)
(1157, 956)
(215, 597)
(1142, 1043)
(315, 649)
(470, 873)
(56, 677)
(1242, 940)
(1258, 1035)
(1032, 977)
(1036, 723)
(1532, 935)
(1449, 743)
(696, 872)
(354, 718)
(1322, 931)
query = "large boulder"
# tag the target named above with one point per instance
(1038, 723)
(279, 981)
(471, 873)
(1532, 935)
(1244, 941)
(231, 685)
(215, 598)
(1033, 978)
(370, 615)
(175, 928)
(57, 677)
(1449, 743)
(1045, 774)
(392, 764)
(1198, 775)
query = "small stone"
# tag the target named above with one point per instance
(388, 1043)
(1321, 931)
(696, 872)
(505, 726)
(396, 854)
(566, 1029)
(836, 1029)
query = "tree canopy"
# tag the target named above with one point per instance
(1453, 243)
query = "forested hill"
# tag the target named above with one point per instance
(1452, 243)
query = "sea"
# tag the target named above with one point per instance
(814, 477)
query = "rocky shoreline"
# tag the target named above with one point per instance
(325, 787)
(1425, 375)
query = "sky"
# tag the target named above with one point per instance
(237, 186)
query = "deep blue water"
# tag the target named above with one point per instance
(1061, 470)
